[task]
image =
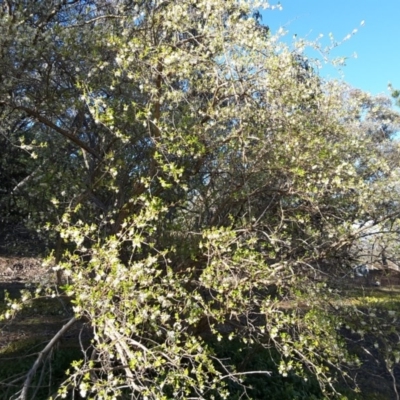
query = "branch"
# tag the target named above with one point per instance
(232, 374)
(35, 114)
(27, 179)
(42, 355)
(124, 353)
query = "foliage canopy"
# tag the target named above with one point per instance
(198, 175)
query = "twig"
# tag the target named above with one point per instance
(391, 372)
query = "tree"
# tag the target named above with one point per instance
(199, 174)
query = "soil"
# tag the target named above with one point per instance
(15, 272)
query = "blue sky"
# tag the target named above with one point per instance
(377, 42)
